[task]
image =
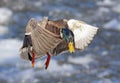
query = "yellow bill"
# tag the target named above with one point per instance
(71, 47)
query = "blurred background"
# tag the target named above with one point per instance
(98, 63)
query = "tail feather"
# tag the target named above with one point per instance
(24, 51)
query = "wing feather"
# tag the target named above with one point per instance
(44, 40)
(83, 33)
(59, 23)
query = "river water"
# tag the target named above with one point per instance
(98, 63)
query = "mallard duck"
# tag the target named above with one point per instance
(48, 37)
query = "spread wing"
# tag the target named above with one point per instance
(43, 41)
(45, 36)
(59, 23)
(83, 33)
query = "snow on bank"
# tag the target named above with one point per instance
(9, 49)
(54, 68)
(85, 60)
(116, 8)
(113, 25)
(3, 30)
(102, 11)
(5, 15)
(106, 3)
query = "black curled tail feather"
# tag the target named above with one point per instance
(26, 48)
(29, 56)
(27, 41)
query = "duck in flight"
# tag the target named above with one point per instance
(53, 37)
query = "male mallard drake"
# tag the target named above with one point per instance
(48, 36)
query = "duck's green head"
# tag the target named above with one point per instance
(69, 38)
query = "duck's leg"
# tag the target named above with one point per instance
(48, 60)
(33, 58)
